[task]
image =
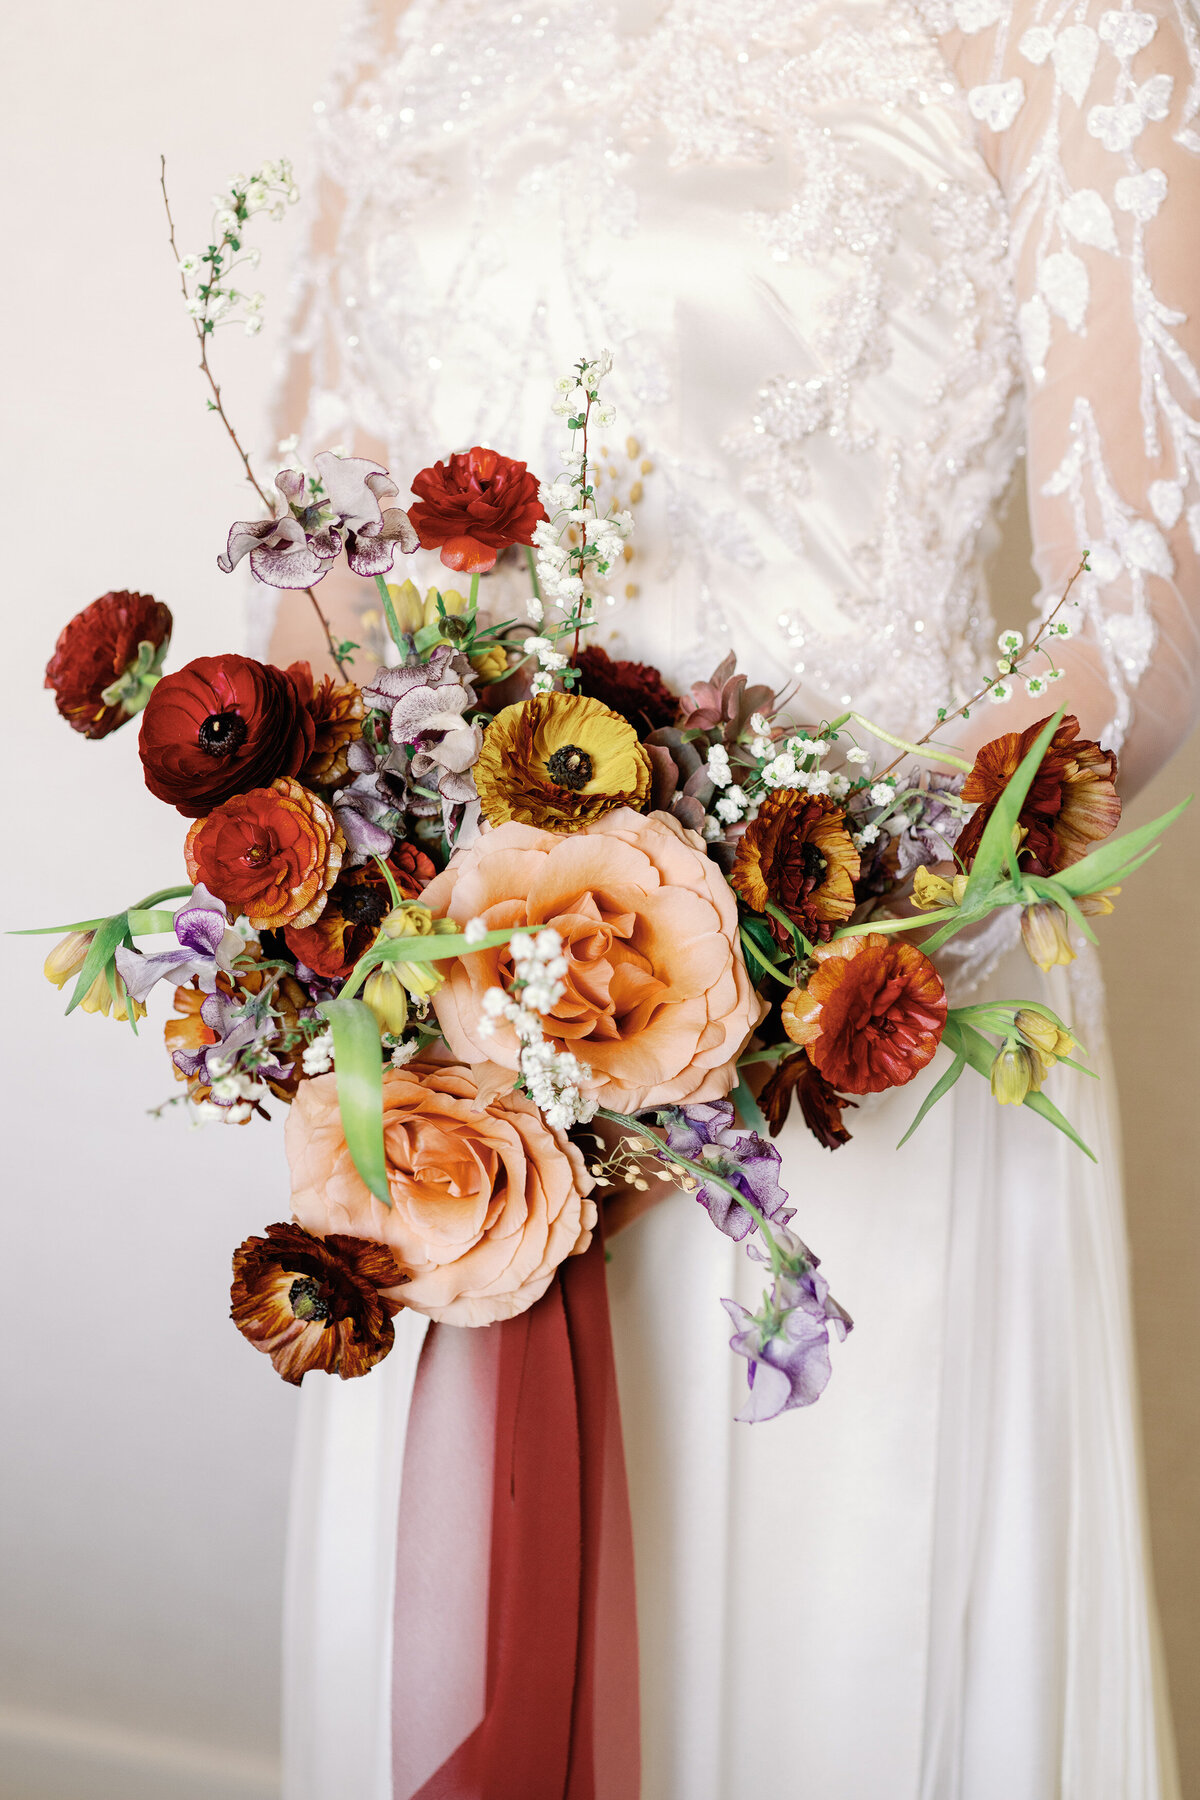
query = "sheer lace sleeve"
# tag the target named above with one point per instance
(1090, 118)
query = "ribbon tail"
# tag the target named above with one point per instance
(515, 1630)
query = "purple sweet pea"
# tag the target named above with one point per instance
(207, 947)
(786, 1343)
(241, 1026)
(706, 1135)
(355, 489)
(931, 827)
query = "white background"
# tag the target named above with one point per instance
(145, 1446)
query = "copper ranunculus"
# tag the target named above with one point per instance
(635, 690)
(358, 902)
(272, 854)
(797, 853)
(657, 1001)
(559, 761)
(474, 505)
(98, 672)
(1070, 807)
(314, 1303)
(820, 1105)
(486, 1198)
(221, 725)
(337, 713)
(872, 1014)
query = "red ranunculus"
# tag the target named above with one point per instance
(473, 506)
(357, 903)
(872, 1014)
(222, 725)
(98, 651)
(272, 854)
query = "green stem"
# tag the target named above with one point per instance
(531, 559)
(389, 613)
(171, 893)
(706, 1176)
(393, 890)
(898, 743)
(760, 956)
(890, 925)
(473, 596)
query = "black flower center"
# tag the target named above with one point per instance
(570, 767)
(364, 905)
(305, 1298)
(222, 733)
(813, 863)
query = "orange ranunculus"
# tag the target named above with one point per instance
(872, 1014)
(357, 905)
(272, 854)
(1070, 807)
(658, 1003)
(337, 713)
(798, 854)
(313, 1303)
(487, 1199)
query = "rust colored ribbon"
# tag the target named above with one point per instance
(515, 1648)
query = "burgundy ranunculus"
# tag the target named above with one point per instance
(223, 725)
(99, 675)
(473, 506)
(635, 690)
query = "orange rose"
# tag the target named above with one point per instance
(658, 1003)
(272, 853)
(487, 1199)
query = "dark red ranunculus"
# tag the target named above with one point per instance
(1071, 806)
(358, 901)
(98, 652)
(314, 1303)
(635, 690)
(473, 506)
(223, 725)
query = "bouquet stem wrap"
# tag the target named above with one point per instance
(515, 1629)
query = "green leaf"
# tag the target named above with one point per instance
(1109, 862)
(995, 848)
(938, 1092)
(358, 1065)
(749, 944)
(112, 932)
(749, 1108)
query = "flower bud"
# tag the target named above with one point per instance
(385, 994)
(1043, 1033)
(932, 890)
(411, 919)
(1044, 929)
(491, 663)
(453, 603)
(67, 957)
(1016, 1072)
(409, 609)
(1097, 905)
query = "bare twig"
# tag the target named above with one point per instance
(217, 405)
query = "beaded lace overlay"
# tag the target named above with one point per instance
(846, 495)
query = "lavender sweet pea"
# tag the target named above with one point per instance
(207, 946)
(707, 1136)
(298, 548)
(786, 1343)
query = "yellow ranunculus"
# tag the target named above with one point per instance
(559, 762)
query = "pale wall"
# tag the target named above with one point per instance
(145, 1447)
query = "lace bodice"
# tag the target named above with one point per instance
(851, 256)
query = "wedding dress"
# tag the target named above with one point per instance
(854, 258)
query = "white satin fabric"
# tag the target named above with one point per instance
(933, 1585)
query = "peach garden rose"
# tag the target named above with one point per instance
(658, 1003)
(487, 1199)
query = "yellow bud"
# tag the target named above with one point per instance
(1095, 905)
(490, 663)
(111, 998)
(1015, 1073)
(406, 600)
(1043, 1033)
(1044, 929)
(411, 919)
(68, 957)
(385, 994)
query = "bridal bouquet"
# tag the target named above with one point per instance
(510, 928)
